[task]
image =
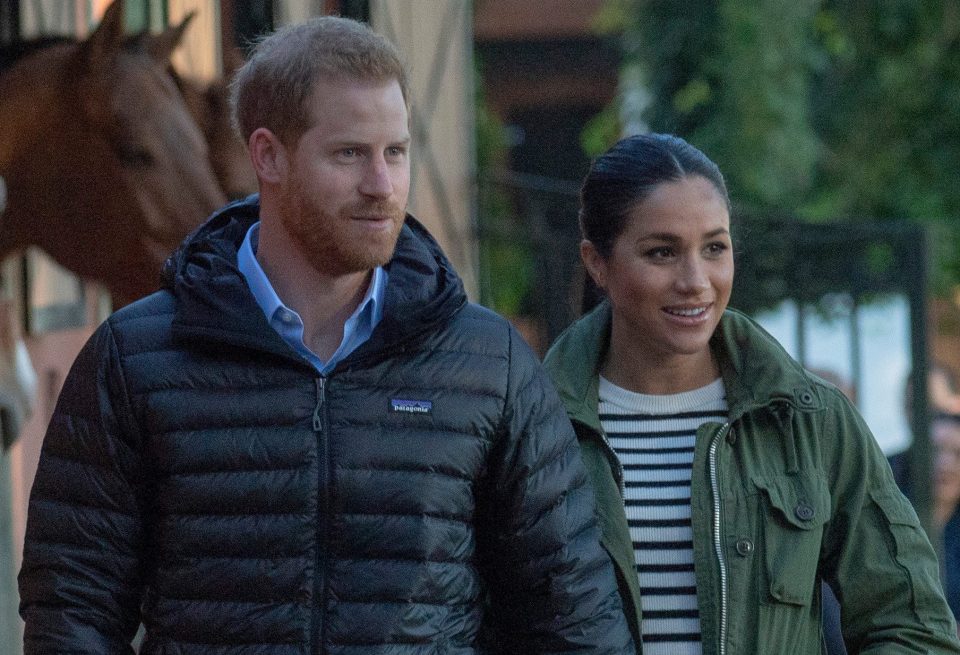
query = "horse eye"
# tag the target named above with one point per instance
(133, 155)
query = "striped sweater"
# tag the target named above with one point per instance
(654, 438)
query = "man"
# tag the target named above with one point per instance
(309, 441)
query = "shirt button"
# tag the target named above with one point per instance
(744, 547)
(285, 316)
(803, 512)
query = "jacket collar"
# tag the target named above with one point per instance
(574, 361)
(756, 370)
(214, 302)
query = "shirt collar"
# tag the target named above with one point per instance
(370, 309)
(260, 286)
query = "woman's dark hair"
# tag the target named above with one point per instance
(627, 173)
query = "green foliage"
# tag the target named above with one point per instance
(600, 132)
(491, 134)
(506, 268)
(733, 78)
(511, 263)
(821, 109)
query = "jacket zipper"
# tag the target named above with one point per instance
(717, 537)
(323, 483)
(318, 409)
(618, 465)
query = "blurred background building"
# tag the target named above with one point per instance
(835, 123)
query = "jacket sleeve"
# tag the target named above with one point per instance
(80, 580)
(878, 559)
(552, 586)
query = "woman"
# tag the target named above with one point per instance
(730, 482)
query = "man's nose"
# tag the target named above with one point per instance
(376, 179)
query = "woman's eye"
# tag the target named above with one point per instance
(659, 253)
(717, 248)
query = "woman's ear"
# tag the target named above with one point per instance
(268, 155)
(595, 263)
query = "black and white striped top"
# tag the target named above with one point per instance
(654, 438)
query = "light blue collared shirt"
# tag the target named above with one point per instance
(287, 322)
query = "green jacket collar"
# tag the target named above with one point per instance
(743, 348)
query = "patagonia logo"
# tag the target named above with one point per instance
(411, 406)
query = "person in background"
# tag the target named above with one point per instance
(309, 441)
(945, 438)
(942, 390)
(731, 483)
(942, 400)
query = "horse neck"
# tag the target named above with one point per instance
(31, 113)
(31, 103)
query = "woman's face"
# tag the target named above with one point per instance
(669, 275)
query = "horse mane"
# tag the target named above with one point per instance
(11, 53)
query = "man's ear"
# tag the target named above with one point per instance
(270, 158)
(595, 263)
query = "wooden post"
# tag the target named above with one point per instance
(11, 635)
(435, 38)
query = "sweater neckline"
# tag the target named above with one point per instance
(710, 395)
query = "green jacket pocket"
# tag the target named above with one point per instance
(912, 553)
(794, 512)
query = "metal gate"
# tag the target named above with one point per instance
(846, 300)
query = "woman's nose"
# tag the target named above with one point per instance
(693, 275)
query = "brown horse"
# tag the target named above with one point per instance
(105, 169)
(209, 105)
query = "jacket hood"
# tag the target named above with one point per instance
(755, 368)
(213, 299)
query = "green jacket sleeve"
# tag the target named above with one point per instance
(877, 558)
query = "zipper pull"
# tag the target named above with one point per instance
(317, 419)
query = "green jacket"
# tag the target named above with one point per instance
(792, 491)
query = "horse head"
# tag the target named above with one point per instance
(209, 105)
(105, 168)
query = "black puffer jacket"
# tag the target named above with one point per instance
(197, 466)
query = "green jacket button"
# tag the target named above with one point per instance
(806, 398)
(744, 547)
(803, 512)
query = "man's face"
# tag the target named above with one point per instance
(945, 435)
(345, 194)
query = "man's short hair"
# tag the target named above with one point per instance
(273, 87)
